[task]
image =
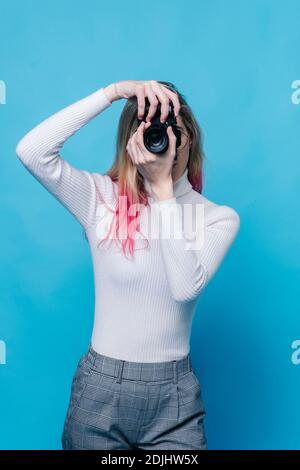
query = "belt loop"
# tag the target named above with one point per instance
(189, 363)
(120, 371)
(175, 378)
(91, 354)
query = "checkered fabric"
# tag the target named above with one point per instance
(116, 404)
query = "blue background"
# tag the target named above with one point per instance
(235, 62)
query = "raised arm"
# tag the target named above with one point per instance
(189, 270)
(39, 151)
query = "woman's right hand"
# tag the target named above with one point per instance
(153, 90)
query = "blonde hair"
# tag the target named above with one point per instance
(131, 182)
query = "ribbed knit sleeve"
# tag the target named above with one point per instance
(39, 151)
(189, 265)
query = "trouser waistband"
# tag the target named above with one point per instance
(145, 371)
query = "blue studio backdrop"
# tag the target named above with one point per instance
(236, 63)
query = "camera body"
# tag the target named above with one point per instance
(156, 138)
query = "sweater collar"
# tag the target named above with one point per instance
(180, 187)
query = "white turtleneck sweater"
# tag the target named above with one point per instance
(144, 306)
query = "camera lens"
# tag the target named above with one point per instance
(156, 139)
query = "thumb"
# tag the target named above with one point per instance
(172, 140)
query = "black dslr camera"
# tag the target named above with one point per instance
(156, 139)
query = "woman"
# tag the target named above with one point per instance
(135, 386)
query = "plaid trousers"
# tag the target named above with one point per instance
(116, 404)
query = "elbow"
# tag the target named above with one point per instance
(185, 297)
(21, 150)
(235, 220)
(26, 152)
(187, 292)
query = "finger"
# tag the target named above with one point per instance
(171, 134)
(153, 101)
(164, 99)
(139, 154)
(140, 94)
(172, 140)
(175, 100)
(140, 132)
